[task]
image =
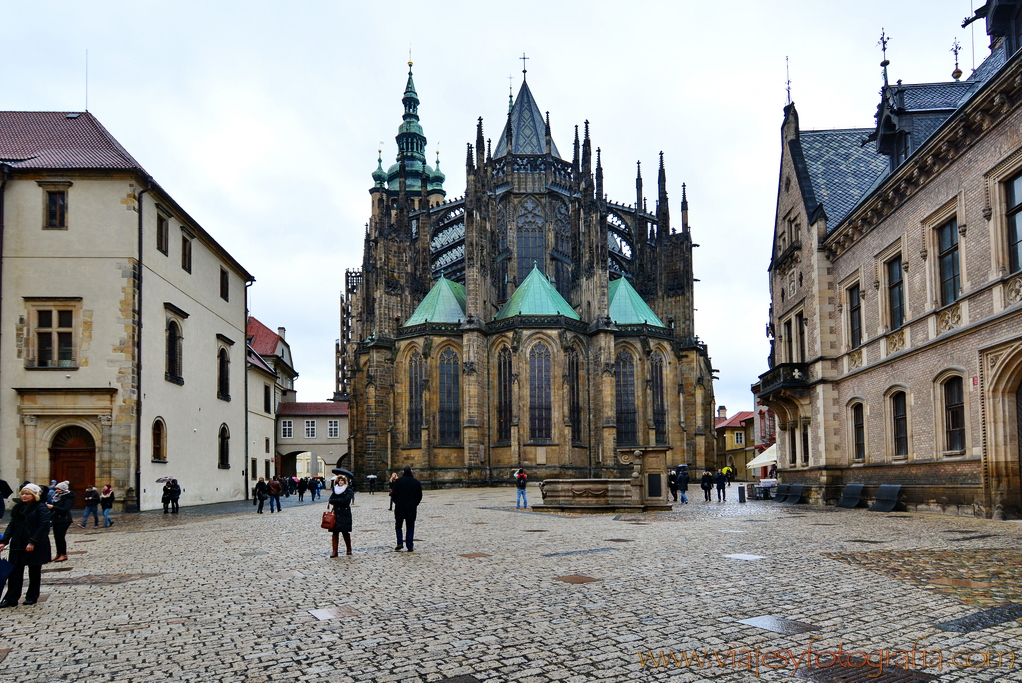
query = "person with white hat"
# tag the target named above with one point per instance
(28, 536)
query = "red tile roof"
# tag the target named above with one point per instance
(735, 420)
(261, 338)
(327, 408)
(55, 140)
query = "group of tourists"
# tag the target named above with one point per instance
(405, 496)
(678, 481)
(281, 485)
(27, 536)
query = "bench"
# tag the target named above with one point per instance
(782, 491)
(887, 498)
(851, 497)
(794, 494)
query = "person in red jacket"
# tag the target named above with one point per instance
(275, 489)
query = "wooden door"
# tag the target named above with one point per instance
(73, 459)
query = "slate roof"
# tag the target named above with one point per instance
(536, 296)
(59, 140)
(627, 307)
(936, 95)
(261, 338)
(255, 359)
(445, 303)
(310, 409)
(528, 128)
(841, 170)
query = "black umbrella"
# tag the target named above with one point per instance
(341, 470)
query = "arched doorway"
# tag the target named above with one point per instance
(73, 459)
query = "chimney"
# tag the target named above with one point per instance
(281, 332)
(721, 410)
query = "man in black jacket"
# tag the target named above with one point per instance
(407, 495)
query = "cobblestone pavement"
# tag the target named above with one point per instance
(222, 594)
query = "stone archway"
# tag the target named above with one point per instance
(1002, 463)
(73, 459)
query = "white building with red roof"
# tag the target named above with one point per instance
(122, 359)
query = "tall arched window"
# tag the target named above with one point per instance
(575, 395)
(858, 433)
(954, 415)
(416, 373)
(224, 449)
(159, 441)
(540, 411)
(450, 398)
(223, 375)
(656, 367)
(174, 352)
(624, 371)
(531, 240)
(504, 395)
(899, 423)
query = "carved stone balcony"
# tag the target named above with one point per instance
(784, 376)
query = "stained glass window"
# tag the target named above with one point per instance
(624, 370)
(416, 372)
(540, 412)
(450, 398)
(531, 240)
(504, 395)
(575, 396)
(656, 366)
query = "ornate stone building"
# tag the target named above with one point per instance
(896, 283)
(531, 323)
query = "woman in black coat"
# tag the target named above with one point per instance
(340, 499)
(706, 484)
(28, 535)
(60, 518)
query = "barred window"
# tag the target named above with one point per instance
(575, 396)
(504, 395)
(624, 370)
(656, 366)
(859, 432)
(450, 398)
(224, 449)
(416, 372)
(954, 415)
(540, 409)
(174, 352)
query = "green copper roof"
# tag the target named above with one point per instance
(536, 296)
(445, 303)
(627, 307)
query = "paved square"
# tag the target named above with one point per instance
(223, 594)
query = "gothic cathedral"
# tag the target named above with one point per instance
(532, 323)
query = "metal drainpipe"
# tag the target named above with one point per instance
(248, 461)
(4, 173)
(138, 359)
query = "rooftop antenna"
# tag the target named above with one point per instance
(524, 70)
(787, 72)
(86, 79)
(971, 11)
(956, 48)
(884, 39)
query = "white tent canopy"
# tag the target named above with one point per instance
(764, 459)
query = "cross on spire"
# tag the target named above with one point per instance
(524, 70)
(884, 39)
(787, 83)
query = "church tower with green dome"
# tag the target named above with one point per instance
(531, 323)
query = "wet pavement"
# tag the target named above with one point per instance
(709, 591)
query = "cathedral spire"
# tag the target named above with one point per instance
(587, 154)
(663, 207)
(599, 175)
(638, 186)
(684, 209)
(574, 157)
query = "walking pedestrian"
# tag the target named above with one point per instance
(91, 506)
(313, 488)
(372, 484)
(28, 535)
(706, 484)
(672, 484)
(60, 517)
(106, 502)
(274, 488)
(721, 486)
(261, 493)
(683, 480)
(393, 478)
(175, 495)
(521, 481)
(340, 500)
(303, 486)
(5, 492)
(407, 495)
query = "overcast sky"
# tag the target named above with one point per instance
(262, 119)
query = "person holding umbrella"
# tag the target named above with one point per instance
(340, 500)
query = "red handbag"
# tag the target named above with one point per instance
(329, 519)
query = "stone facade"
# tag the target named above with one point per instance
(488, 383)
(98, 262)
(896, 316)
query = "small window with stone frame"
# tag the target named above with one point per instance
(53, 335)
